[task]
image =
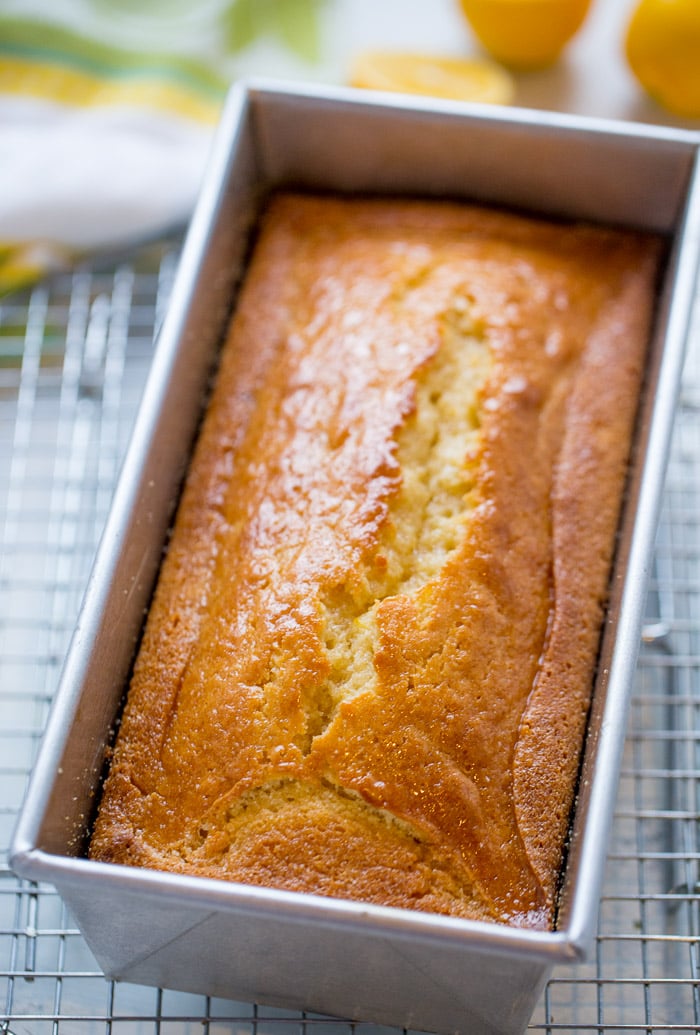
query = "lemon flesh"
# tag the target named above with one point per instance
(447, 78)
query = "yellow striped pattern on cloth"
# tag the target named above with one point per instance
(53, 65)
(64, 85)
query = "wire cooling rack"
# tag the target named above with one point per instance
(74, 353)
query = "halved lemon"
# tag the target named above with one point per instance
(448, 78)
(525, 34)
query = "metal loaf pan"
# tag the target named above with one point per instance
(360, 961)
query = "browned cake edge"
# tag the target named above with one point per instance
(363, 854)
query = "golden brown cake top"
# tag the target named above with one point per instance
(368, 663)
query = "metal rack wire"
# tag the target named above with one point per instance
(73, 356)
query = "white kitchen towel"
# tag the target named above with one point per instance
(107, 109)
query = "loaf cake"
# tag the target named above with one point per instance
(367, 667)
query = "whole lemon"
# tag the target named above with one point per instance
(663, 51)
(525, 34)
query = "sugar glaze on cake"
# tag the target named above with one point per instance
(368, 663)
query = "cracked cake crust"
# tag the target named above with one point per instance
(367, 666)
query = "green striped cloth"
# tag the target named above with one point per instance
(106, 115)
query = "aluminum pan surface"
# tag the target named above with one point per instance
(271, 136)
(596, 169)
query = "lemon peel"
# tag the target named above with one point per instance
(662, 47)
(525, 34)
